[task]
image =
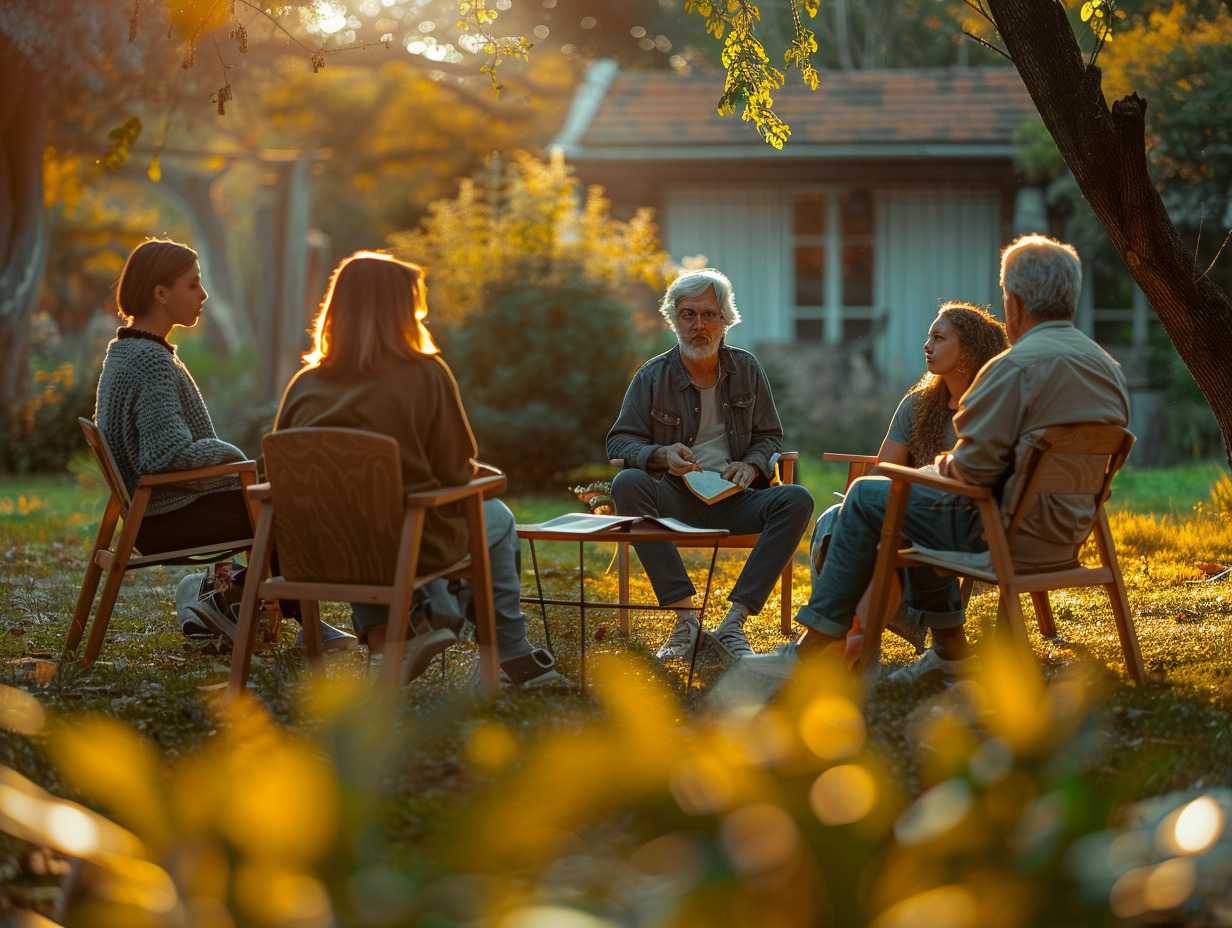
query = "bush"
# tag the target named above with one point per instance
(40, 433)
(542, 369)
(533, 291)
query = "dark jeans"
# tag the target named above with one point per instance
(215, 518)
(932, 519)
(780, 514)
(211, 519)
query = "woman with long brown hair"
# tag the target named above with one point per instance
(374, 366)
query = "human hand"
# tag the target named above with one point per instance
(739, 473)
(679, 459)
(944, 462)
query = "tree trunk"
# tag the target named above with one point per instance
(23, 246)
(1106, 152)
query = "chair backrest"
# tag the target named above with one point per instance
(106, 463)
(338, 504)
(1072, 460)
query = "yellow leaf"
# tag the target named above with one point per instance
(193, 18)
(155, 170)
(1087, 10)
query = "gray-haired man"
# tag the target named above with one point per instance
(705, 406)
(1051, 375)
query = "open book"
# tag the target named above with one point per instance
(587, 523)
(709, 486)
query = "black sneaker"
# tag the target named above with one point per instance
(198, 606)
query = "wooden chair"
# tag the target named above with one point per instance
(116, 561)
(346, 532)
(1071, 459)
(787, 472)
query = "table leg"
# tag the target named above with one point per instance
(543, 607)
(702, 615)
(582, 609)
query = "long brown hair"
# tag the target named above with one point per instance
(373, 311)
(156, 262)
(980, 338)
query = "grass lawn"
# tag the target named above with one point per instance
(409, 780)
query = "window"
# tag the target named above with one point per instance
(833, 262)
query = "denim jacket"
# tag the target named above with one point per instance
(663, 407)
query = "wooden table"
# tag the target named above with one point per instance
(632, 534)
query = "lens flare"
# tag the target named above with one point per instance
(843, 795)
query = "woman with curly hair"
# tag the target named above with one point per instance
(961, 340)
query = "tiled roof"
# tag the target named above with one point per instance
(660, 110)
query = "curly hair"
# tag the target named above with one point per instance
(980, 337)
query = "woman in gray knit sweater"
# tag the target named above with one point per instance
(150, 411)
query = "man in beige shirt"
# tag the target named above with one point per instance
(1051, 375)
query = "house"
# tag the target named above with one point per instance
(896, 191)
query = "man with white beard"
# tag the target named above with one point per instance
(706, 406)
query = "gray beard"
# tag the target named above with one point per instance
(698, 354)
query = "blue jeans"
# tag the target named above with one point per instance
(505, 555)
(932, 518)
(780, 514)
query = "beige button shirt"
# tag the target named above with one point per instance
(1052, 375)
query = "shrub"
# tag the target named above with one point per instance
(542, 370)
(533, 292)
(39, 432)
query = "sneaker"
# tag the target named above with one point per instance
(197, 605)
(931, 664)
(538, 668)
(780, 664)
(418, 654)
(730, 638)
(681, 641)
(332, 639)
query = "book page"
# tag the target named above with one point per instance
(676, 525)
(585, 522)
(710, 486)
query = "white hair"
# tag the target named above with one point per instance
(695, 283)
(1046, 275)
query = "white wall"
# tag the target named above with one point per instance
(931, 245)
(746, 235)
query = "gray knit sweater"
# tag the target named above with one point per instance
(154, 419)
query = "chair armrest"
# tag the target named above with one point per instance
(214, 470)
(849, 458)
(260, 492)
(482, 486)
(900, 474)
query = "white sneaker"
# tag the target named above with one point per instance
(931, 663)
(418, 654)
(681, 641)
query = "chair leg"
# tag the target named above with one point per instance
(1120, 602)
(390, 681)
(785, 607)
(115, 576)
(1125, 629)
(94, 572)
(246, 633)
(880, 589)
(622, 573)
(1043, 614)
(311, 617)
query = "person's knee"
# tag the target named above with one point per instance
(499, 524)
(800, 501)
(631, 489)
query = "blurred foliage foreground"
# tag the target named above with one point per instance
(1013, 800)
